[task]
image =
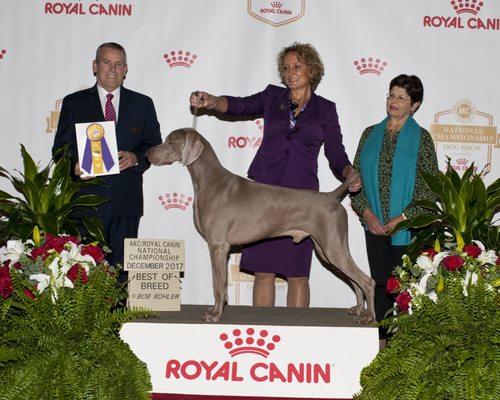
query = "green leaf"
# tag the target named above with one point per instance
(30, 167)
(434, 183)
(494, 187)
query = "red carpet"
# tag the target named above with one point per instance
(198, 397)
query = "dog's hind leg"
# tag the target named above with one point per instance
(218, 257)
(364, 286)
(361, 282)
(360, 297)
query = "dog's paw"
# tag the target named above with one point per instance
(355, 310)
(366, 318)
(211, 315)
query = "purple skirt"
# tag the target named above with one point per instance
(278, 255)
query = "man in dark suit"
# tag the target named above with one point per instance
(137, 130)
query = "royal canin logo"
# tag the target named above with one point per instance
(461, 164)
(180, 58)
(466, 17)
(245, 142)
(175, 200)
(86, 7)
(249, 341)
(466, 6)
(2, 53)
(370, 65)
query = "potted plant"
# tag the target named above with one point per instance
(59, 320)
(446, 320)
(46, 198)
(464, 210)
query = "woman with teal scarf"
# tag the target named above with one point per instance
(391, 156)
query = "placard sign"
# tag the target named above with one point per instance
(155, 290)
(154, 267)
(157, 254)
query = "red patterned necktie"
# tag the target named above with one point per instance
(109, 110)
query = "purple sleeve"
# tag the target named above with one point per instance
(334, 148)
(249, 105)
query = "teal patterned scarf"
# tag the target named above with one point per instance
(404, 170)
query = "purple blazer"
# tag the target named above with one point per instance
(290, 157)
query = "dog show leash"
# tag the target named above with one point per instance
(195, 114)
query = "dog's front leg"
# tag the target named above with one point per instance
(218, 257)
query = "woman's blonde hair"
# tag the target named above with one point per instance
(306, 54)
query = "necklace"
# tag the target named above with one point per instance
(297, 106)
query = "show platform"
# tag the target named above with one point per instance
(254, 352)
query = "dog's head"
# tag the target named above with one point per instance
(183, 145)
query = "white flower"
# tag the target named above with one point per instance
(55, 280)
(73, 256)
(430, 266)
(433, 296)
(469, 279)
(14, 249)
(487, 257)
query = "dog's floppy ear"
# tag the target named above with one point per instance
(192, 148)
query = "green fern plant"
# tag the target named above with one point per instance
(449, 350)
(465, 209)
(46, 199)
(69, 349)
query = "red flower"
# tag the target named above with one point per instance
(42, 251)
(430, 253)
(95, 252)
(393, 285)
(403, 300)
(453, 263)
(497, 262)
(77, 271)
(472, 250)
(5, 282)
(55, 242)
(29, 294)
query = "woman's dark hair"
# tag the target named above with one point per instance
(413, 86)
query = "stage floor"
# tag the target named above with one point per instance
(274, 316)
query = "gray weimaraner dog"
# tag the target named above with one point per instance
(231, 210)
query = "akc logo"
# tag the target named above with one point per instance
(471, 140)
(462, 8)
(175, 200)
(242, 142)
(180, 58)
(87, 7)
(370, 65)
(276, 12)
(248, 341)
(2, 53)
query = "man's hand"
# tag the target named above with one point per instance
(127, 159)
(79, 172)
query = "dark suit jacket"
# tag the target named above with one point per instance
(290, 157)
(137, 130)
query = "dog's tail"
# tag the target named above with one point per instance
(340, 192)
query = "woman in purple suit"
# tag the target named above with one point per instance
(296, 123)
